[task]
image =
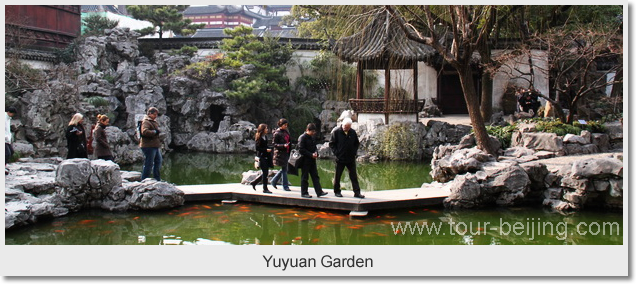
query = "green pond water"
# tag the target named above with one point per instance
(214, 223)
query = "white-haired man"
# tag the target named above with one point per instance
(344, 144)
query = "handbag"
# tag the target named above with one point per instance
(256, 162)
(295, 158)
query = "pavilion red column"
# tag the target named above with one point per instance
(387, 91)
(360, 82)
(415, 87)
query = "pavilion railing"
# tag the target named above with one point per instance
(378, 106)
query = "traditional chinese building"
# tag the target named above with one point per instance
(42, 26)
(221, 16)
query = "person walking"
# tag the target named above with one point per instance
(76, 138)
(344, 144)
(264, 154)
(102, 148)
(150, 144)
(309, 153)
(282, 147)
(8, 137)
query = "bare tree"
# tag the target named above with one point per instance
(573, 56)
(468, 28)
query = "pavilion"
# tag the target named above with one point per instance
(383, 45)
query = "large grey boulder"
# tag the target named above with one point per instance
(445, 166)
(73, 174)
(538, 141)
(614, 130)
(500, 183)
(597, 168)
(153, 195)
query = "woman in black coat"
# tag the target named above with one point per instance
(76, 138)
(282, 147)
(263, 152)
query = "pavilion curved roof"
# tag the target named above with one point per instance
(381, 40)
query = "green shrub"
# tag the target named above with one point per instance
(185, 50)
(398, 142)
(503, 133)
(97, 101)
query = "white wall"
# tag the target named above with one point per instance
(501, 79)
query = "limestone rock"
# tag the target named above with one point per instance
(153, 195)
(74, 174)
(614, 130)
(597, 168)
(542, 141)
(571, 138)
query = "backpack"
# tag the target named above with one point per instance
(139, 118)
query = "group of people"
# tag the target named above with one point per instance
(78, 145)
(76, 141)
(344, 143)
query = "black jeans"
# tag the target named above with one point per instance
(310, 168)
(8, 152)
(264, 165)
(353, 175)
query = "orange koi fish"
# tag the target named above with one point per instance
(315, 240)
(59, 231)
(298, 238)
(319, 227)
(286, 242)
(136, 218)
(184, 214)
(85, 222)
(206, 207)
(379, 234)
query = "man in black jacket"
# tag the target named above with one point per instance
(309, 152)
(344, 144)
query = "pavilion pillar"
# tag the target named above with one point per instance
(415, 87)
(360, 82)
(387, 91)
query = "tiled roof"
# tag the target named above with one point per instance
(268, 22)
(381, 39)
(100, 8)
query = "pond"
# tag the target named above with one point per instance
(214, 223)
(202, 168)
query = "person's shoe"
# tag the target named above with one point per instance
(274, 185)
(287, 189)
(323, 193)
(358, 195)
(306, 196)
(266, 191)
(254, 187)
(338, 194)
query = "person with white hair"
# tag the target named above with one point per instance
(76, 138)
(344, 144)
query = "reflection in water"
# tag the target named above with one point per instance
(254, 224)
(206, 168)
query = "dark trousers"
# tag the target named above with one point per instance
(264, 165)
(8, 152)
(353, 175)
(310, 168)
(152, 162)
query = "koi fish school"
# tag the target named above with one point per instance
(326, 261)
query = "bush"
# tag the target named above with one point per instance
(503, 133)
(97, 101)
(398, 142)
(185, 50)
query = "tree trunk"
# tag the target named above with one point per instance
(472, 102)
(486, 96)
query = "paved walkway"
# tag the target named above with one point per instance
(451, 119)
(375, 200)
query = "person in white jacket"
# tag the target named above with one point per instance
(8, 137)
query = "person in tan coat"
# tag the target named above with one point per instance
(102, 148)
(150, 144)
